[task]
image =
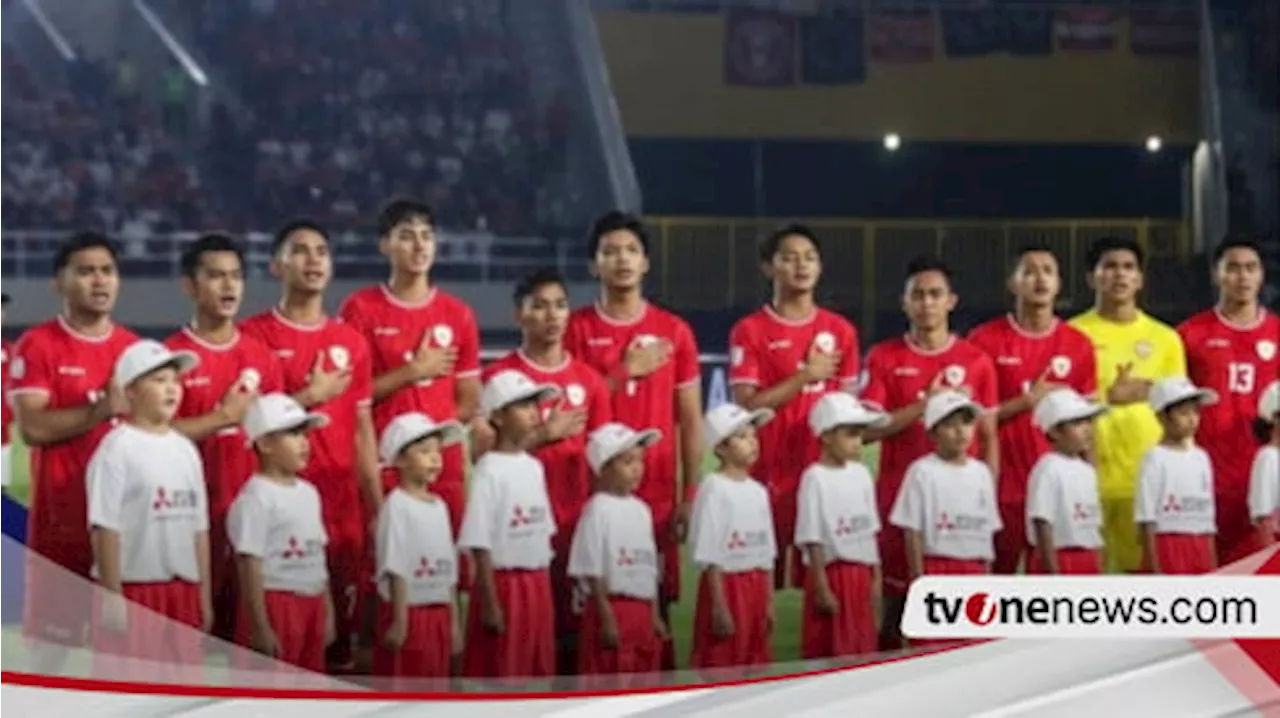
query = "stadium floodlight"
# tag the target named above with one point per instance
(892, 141)
(1154, 143)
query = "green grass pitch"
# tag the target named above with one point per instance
(786, 636)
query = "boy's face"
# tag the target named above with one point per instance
(624, 472)
(620, 261)
(287, 450)
(1239, 275)
(518, 420)
(1073, 437)
(544, 314)
(422, 460)
(844, 443)
(1181, 421)
(303, 262)
(796, 266)
(90, 282)
(954, 434)
(410, 246)
(218, 285)
(156, 396)
(1036, 281)
(741, 449)
(928, 300)
(1118, 276)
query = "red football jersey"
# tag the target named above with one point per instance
(1238, 362)
(898, 374)
(333, 449)
(648, 402)
(765, 349)
(569, 478)
(1062, 352)
(7, 418)
(72, 369)
(228, 460)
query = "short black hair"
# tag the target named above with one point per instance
(927, 263)
(79, 242)
(772, 242)
(1024, 250)
(1235, 242)
(295, 225)
(533, 282)
(402, 209)
(206, 244)
(1112, 243)
(616, 221)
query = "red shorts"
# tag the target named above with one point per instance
(1184, 554)
(527, 648)
(1011, 541)
(893, 560)
(349, 572)
(162, 640)
(1237, 536)
(299, 624)
(635, 662)
(1072, 561)
(748, 595)
(59, 591)
(852, 630)
(428, 646)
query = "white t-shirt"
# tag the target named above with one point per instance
(415, 542)
(732, 526)
(281, 524)
(1264, 483)
(1063, 490)
(837, 508)
(953, 506)
(150, 489)
(1175, 491)
(614, 541)
(508, 512)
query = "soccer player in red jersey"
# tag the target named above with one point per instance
(425, 343)
(784, 357)
(1034, 353)
(1232, 349)
(65, 403)
(233, 370)
(649, 359)
(542, 310)
(325, 364)
(900, 375)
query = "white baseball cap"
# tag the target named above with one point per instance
(946, 403)
(612, 439)
(1269, 402)
(728, 418)
(1062, 405)
(510, 386)
(839, 408)
(272, 413)
(409, 428)
(145, 356)
(1175, 390)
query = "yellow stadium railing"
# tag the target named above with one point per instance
(707, 263)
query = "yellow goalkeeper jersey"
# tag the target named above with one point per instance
(1123, 435)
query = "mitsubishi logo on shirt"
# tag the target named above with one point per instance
(851, 525)
(293, 550)
(624, 558)
(426, 569)
(746, 540)
(1186, 504)
(530, 517)
(635, 557)
(1084, 513)
(960, 522)
(173, 500)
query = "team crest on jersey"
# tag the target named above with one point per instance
(18, 368)
(825, 342)
(250, 379)
(954, 374)
(645, 340)
(340, 357)
(1266, 350)
(736, 355)
(575, 394)
(443, 334)
(1143, 349)
(1060, 365)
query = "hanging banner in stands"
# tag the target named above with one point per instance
(1170, 32)
(1090, 29)
(831, 50)
(759, 48)
(901, 36)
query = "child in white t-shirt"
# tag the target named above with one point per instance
(615, 554)
(276, 528)
(732, 542)
(1264, 480)
(1175, 509)
(149, 524)
(417, 564)
(836, 528)
(946, 506)
(508, 527)
(1064, 519)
